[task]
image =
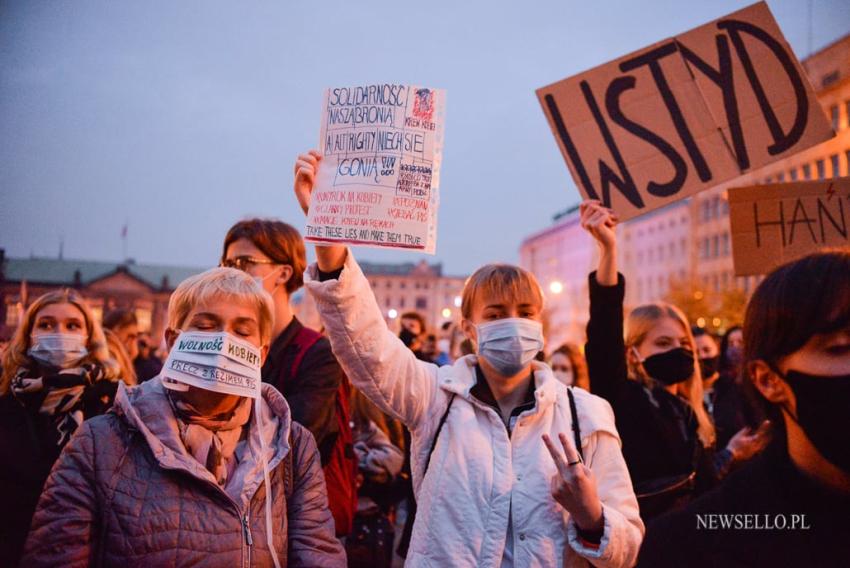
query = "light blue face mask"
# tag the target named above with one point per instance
(509, 344)
(58, 349)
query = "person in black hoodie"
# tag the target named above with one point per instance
(789, 506)
(57, 372)
(653, 382)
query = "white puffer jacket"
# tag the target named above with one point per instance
(478, 475)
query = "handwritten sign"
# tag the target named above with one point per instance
(685, 114)
(773, 224)
(379, 179)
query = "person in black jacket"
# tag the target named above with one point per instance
(300, 364)
(789, 506)
(652, 380)
(56, 373)
(273, 253)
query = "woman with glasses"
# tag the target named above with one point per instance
(300, 363)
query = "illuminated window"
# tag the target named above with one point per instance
(12, 311)
(143, 316)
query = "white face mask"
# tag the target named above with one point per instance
(261, 280)
(222, 363)
(216, 361)
(565, 377)
(58, 349)
(509, 344)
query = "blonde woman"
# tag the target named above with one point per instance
(651, 377)
(119, 354)
(56, 373)
(569, 367)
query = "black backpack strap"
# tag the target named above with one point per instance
(576, 427)
(437, 434)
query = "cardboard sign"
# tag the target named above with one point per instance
(774, 224)
(685, 114)
(378, 181)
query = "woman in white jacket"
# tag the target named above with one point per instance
(492, 487)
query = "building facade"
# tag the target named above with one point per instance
(143, 288)
(687, 243)
(399, 288)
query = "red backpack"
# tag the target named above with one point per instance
(341, 469)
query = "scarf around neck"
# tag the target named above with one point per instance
(67, 396)
(212, 440)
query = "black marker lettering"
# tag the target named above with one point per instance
(723, 78)
(651, 58)
(781, 140)
(612, 105)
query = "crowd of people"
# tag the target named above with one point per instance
(254, 440)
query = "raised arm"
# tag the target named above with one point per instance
(375, 360)
(605, 350)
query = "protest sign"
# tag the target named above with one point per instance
(773, 224)
(685, 114)
(379, 177)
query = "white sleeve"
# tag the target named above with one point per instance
(623, 529)
(373, 358)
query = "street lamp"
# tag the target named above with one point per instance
(393, 313)
(556, 287)
(458, 301)
(447, 313)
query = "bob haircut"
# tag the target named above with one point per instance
(279, 241)
(795, 302)
(16, 354)
(505, 282)
(221, 284)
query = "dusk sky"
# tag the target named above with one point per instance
(179, 118)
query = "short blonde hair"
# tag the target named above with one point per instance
(504, 281)
(16, 354)
(221, 284)
(640, 321)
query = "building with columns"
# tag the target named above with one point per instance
(143, 288)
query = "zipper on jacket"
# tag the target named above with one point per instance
(247, 530)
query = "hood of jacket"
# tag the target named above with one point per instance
(146, 408)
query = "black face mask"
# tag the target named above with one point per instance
(708, 366)
(823, 412)
(671, 367)
(406, 337)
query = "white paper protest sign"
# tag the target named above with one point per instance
(216, 362)
(378, 182)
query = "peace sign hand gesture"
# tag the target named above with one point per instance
(574, 487)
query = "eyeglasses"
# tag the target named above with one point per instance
(244, 262)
